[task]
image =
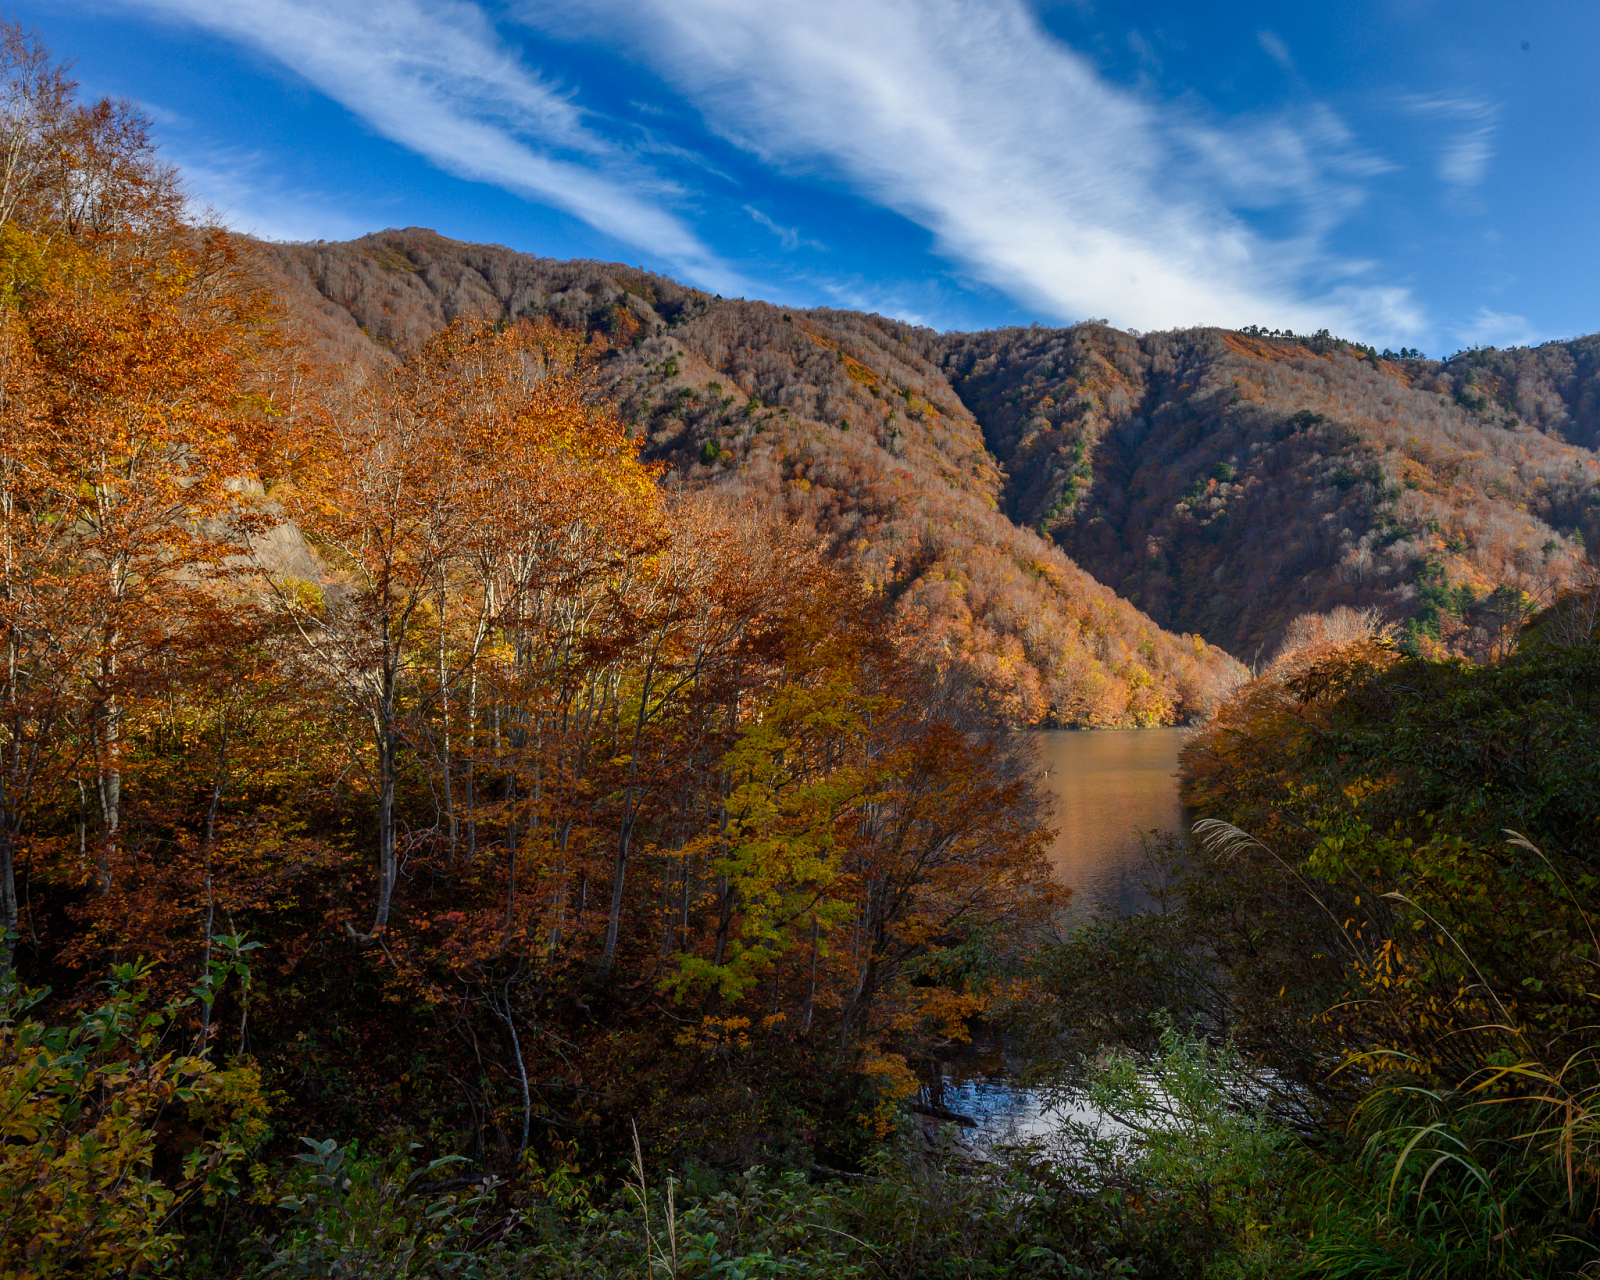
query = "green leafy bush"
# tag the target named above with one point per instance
(107, 1131)
(354, 1216)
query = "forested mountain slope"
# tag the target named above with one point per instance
(846, 422)
(1554, 388)
(1227, 482)
(422, 830)
(1222, 482)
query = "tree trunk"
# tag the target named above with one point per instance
(619, 876)
(8, 897)
(471, 780)
(629, 816)
(207, 852)
(811, 982)
(447, 764)
(724, 918)
(387, 749)
(866, 987)
(108, 790)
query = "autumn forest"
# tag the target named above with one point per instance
(510, 767)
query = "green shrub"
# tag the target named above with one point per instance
(758, 1226)
(354, 1216)
(1445, 1185)
(88, 1187)
(1193, 1176)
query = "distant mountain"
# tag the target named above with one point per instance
(1554, 388)
(844, 424)
(1005, 488)
(1226, 483)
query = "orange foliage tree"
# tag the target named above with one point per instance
(609, 746)
(127, 345)
(444, 496)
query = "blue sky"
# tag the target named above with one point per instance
(1415, 172)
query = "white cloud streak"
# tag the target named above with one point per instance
(1465, 154)
(238, 189)
(1033, 173)
(1273, 45)
(789, 237)
(1497, 329)
(1466, 158)
(433, 76)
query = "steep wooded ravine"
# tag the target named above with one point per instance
(1226, 483)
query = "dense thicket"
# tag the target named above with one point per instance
(1392, 913)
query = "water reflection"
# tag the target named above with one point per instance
(1106, 787)
(980, 1083)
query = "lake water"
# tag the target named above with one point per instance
(1108, 786)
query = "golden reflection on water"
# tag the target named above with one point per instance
(1108, 785)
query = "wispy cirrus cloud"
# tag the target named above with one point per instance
(789, 237)
(240, 188)
(433, 76)
(1274, 47)
(1033, 172)
(1468, 147)
(1466, 157)
(1035, 175)
(1495, 328)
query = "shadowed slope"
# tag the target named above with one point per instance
(1226, 483)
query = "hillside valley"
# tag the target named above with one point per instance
(1222, 483)
(511, 768)
(845, 423)
(1227, 482)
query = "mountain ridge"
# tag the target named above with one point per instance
(840, 424)
(1221, 482)
(1225, 482)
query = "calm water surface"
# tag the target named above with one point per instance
(1108, 786)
